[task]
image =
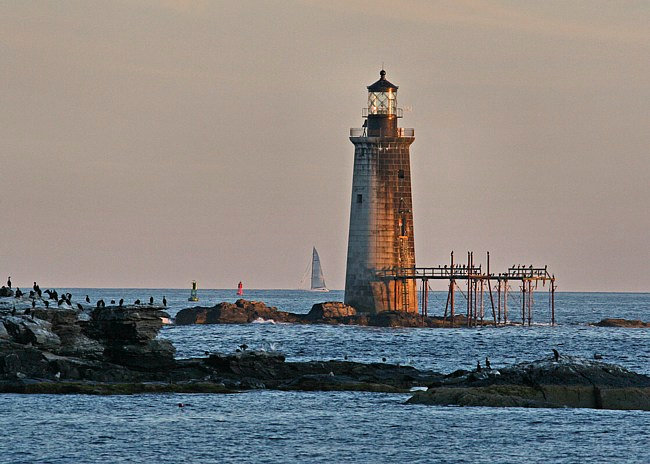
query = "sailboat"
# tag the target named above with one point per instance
(317, 279)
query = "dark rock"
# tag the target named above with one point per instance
(150, 356)
(19, 360)
(127, 323)
(241, 312)
(627, 323)
(330, 310)
(25, 330)
(571, 382)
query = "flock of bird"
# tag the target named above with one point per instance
(66, 298)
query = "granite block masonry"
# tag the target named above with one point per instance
(381, 212)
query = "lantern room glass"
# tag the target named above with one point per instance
(382, 102)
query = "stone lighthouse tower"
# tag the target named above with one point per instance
(381, 213)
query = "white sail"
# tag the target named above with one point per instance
(317, 279)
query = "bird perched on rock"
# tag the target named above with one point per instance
(112, 301)
(121, 302)
(150, 300)
(383, 359)
(9, 282)
(556, 354)
(164, 301)
(79, 306)
(487, 363)
(87, 299)
(478, 366)
(137, 302)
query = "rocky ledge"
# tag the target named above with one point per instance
(333, 312)
(627, 323)
(568, 382)
(114, 350)
(101, 344)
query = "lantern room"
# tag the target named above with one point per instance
(382, 96)
(382, 111)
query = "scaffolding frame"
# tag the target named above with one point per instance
(528, 277)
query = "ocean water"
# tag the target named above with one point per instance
(268, 426)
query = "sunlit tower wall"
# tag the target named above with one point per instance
(381, 212)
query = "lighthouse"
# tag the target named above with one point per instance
(381, 212)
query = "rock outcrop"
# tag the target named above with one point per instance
(101, 344)
(569, 382)
(116, 350)
(333, 312)
(627, 323)
(330, 310)
(240, 312)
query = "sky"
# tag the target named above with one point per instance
(149, 143)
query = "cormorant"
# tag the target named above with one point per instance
(150, 300)
(32, 294)
(60, 302)
(112, 301)
(478, 366)
(137, 302)
(487, 363)
(383, 359)
(40, 293)
(9, 282)
(79, 306)
(556, 354)
(121, 302)
(164, 301)
(87, 299)
(18, 293)
(35, 286)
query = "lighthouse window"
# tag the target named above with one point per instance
(359, 198)
(400, 173)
